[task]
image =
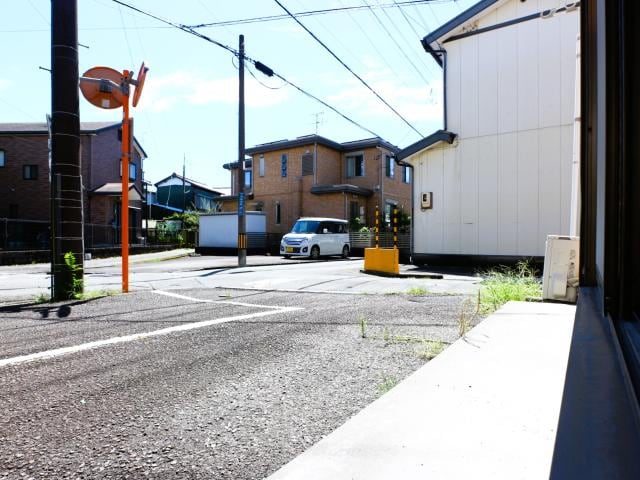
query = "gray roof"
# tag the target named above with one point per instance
(195, 183)
(428, 42)
(313, 139)
(41, 127)
(437, 136)
(115, 189)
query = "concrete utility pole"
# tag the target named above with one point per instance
(242, 219)
(66, 180)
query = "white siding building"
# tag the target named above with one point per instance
(500, 171)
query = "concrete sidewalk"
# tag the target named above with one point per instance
(485, 408)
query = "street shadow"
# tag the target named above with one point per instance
(45, 310)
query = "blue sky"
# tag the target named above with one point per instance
(189, 105)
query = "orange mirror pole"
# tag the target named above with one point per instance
(124, 207)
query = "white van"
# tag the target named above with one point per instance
(312, 237)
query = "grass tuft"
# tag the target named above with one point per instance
(418, 291)
(430, 350)
(362, 322)
(388, 382)
(42, 298)
(503, 284)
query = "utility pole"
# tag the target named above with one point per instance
(66, 181)
(184, 194)
(242, 219)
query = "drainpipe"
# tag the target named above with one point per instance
(443, 54)
(402, 163)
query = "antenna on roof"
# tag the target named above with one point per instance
(319, 120)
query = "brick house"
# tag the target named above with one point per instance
(315, 176)
(24, 174)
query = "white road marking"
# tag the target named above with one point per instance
(226, 302)
(139, 336)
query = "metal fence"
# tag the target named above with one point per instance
(363, 240)
(28, 235)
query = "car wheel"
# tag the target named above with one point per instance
(345, 252)
(315, 253)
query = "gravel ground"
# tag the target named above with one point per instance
(231, 401)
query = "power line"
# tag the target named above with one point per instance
(348, 68)
(404, 54)
(263, 68)
(384, 59)
(270, 18)
(409, 44)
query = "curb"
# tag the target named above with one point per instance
(432, 276)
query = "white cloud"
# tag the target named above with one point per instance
(412, 102)
(164, 92)
(4, 83)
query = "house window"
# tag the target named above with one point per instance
(307, 164)
(406, 175)
(283, 165)
(355, 166)
(1, 158)
(388, 213)
(354, 212)
(261, 166)
(247, 180)
(203, 203)
(132, 170)
(30, 172)
(278, 213)
(389, 166)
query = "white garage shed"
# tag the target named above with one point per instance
(501, 175)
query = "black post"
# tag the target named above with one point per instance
(66, 181)
(242, 219)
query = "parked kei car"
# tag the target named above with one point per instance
(314, 237)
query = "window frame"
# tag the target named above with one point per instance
(31, 168)
(353, 157)
(278, 213)
(389, 166)
(406, 174)
(261, 168)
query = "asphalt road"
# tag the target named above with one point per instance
(26, 282)
(200, 382)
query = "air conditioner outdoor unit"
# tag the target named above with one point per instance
(561, 264)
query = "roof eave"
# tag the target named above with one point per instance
(436, 137)
(434, 37)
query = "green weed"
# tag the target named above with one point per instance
(362, 322)
(42, 298)
(418, 291)
(430, 350)
(75, 283)
(504, 284)
(388, 382)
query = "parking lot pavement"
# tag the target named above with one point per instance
(202, 383)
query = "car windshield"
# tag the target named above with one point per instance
(305, 226)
